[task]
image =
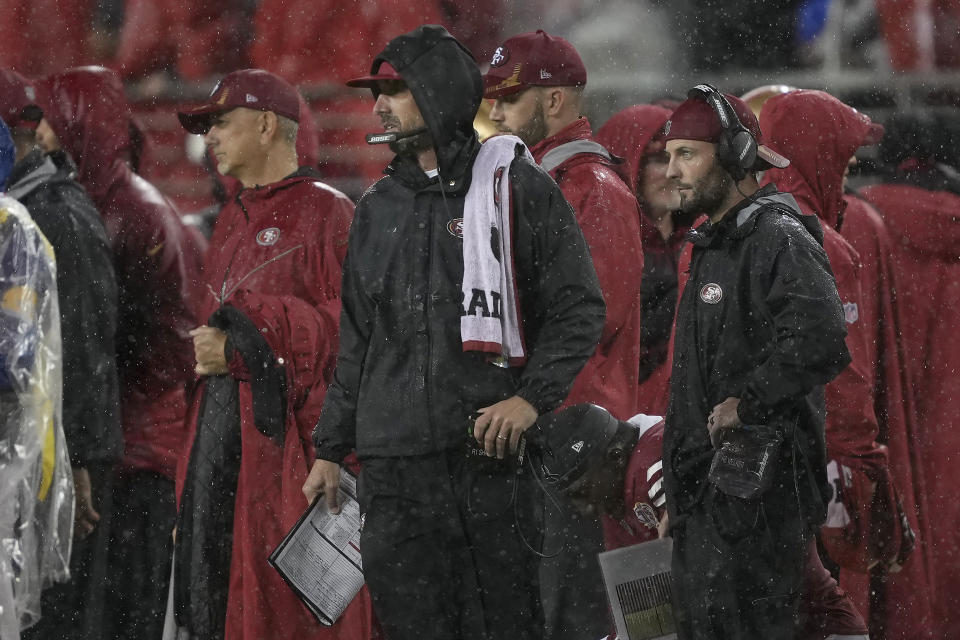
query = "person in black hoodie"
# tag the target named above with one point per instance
(759, 331)
(87, 293)
(450, 538)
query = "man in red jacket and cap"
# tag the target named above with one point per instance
(537, 82)
(263, 357)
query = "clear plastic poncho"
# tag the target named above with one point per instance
(36, 483)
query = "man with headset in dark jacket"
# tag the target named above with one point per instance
(759, 331)
(446, 534)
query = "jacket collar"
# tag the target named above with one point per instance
(579, 129)
(732, 225)
(302, 174)
(405, 169)
(32, 171)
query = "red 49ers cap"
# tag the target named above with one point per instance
(694, 119)
(18, 101)
(250, 88)
(533, 59)
(381, 70)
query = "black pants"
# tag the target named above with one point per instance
(571, 584)
(140, 551)
(738, 567)
(75, 610)
(444, 547)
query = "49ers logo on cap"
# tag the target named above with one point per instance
(711, 293)
(268, 237)
(501, 55)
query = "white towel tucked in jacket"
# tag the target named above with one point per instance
(491, 323)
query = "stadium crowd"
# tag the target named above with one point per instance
(185, 386)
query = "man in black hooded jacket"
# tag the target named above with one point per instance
(446, 537)
(759, 331)
(87, 295)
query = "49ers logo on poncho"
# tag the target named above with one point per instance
(268, 237)
(711, 293)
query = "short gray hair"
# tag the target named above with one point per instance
(287, 129)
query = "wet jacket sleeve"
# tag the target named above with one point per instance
(809, 348)
(87, 293)
(558, 289)
(335, 433)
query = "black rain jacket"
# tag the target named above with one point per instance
(87, 294)
(403, 384)
(760, 320)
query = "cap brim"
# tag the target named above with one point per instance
(874, 134)
(495, 91)
(369, 82)
(199, 119)
(767, 158)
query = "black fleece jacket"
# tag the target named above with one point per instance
(759, 320)
(87, 294)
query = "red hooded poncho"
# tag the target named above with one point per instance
(607, 213)
(276, 255)
(628, 134)
(908, 590)
(925, 226)
(822, 134)
(157, 261)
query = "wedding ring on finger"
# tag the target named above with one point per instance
(501, 437)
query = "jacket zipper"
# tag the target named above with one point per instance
(427, 308)
(226, 273)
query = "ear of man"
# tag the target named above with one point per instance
(277, 129)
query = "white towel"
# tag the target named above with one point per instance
(491, 320)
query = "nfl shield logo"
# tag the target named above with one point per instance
(850, 312)
(268, 237)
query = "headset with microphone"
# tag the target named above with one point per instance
(393, 136)
(737, 148)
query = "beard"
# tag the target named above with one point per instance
(707, 194)
(412, 145)
(535, 129)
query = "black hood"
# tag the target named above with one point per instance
(446, 84)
